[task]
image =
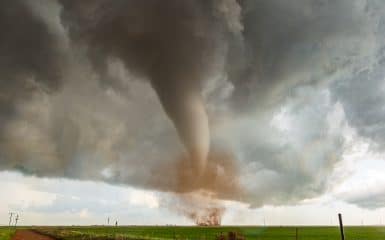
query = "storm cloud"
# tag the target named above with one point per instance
(87, 88)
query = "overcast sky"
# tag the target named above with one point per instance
(101, 102)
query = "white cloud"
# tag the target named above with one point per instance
(143, 198)
(84, 213)
(15, 195)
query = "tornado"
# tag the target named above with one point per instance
(176, 45)
(172, 44)
(186, 109)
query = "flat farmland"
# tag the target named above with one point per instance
(185, 232)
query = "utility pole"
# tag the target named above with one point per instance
(341, 226)
(16, 219)
(10, 218)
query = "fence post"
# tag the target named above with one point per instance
(296, 233)
(341, 226)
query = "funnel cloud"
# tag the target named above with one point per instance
(174, 45)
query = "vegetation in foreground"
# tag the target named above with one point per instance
(6, 233)
(171, 232)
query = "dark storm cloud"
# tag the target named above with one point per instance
(173, 44)
(32, 60)
(31, 51)
(278, 79)
(288, 45)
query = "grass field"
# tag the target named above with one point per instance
(6, 233)
(261, 233)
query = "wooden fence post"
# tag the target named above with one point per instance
(296, 233)
(341, 227)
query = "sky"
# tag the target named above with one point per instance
(267, 112)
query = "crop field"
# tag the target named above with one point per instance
(172, 232)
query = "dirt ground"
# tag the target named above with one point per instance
(29, 235)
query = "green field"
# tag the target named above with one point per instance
(6, 233)
(262, 233)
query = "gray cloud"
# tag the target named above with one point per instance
(303, 60)
(80, 83)
(363, 99)
(306, 43)
(31, 50)
(369, 201)
(361, 91)
(281, 162)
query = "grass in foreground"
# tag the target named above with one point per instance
(6, 233)
(207, 233)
